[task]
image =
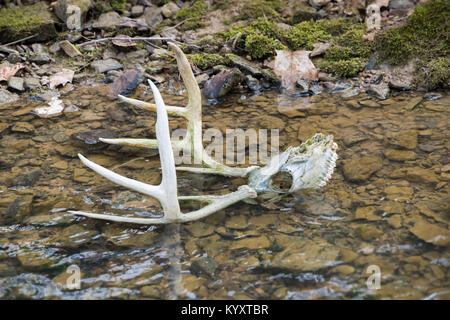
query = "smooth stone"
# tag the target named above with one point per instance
(222, 83)
(360, 169)
(107, 21)
(105, 65)
(431, 233)
(400, 155)
(69, 49)
(16, 83)
(407, 139)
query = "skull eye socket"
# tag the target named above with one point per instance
(281, 181)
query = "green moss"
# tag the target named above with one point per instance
(118, 5)
(343, 68)
(253, 9)
(192, 15)
(426, 35)
(259, 46)
(336, 53)
(305, 34)
(433, 74)
(206, 60)
(353, 39)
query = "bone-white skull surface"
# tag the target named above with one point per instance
(309, 165)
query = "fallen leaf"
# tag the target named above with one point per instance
(61, 78)
(118, 41)
(291, 66)
(8, 71)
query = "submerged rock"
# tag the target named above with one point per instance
(306, 255)
(381, 91)
(430, 233)
(360, 169)
(222, 83)
(125, 84)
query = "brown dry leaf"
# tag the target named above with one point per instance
(123, 43)
(291, 66)
(61, 78)
(8, 71)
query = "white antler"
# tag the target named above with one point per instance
(166, 192)
(193, 114)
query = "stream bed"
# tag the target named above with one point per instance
(386, 207)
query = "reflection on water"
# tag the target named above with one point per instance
(387, 205)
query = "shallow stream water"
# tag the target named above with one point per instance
(385, 209)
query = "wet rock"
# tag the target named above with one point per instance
(249, 67)
(17, 210)
(27, 179)
(153, 291)
(321, 108)
(416, 174)
(107, 21)
(24, 127)
(400, 85)
(400, 155)
(352, 139)
(369, 103)
(92, 137)
(35, 259)
(137, 11)
(305, 256)
(69, 49)
(430, 233)
(158, 54)
(407, 139)
(32, 83)
(125, 84)
(368, 232)
(116, 114)
(40, 55)
(237, 223)
(200, 229)
(16, 83)
(14, 58)
(367, 213)
(169, 9)
(303, 87)
(204, 266)
(360, 169)
(202, 78)
(252, 243)
(222, 83)
(271, 122)
(153, 17)
(398, 193)
(340, 87)
(7, 97)
(401, 4)
(343, 269)
(101, 66)
(73, 236)
(252, 83)
(381, 91)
